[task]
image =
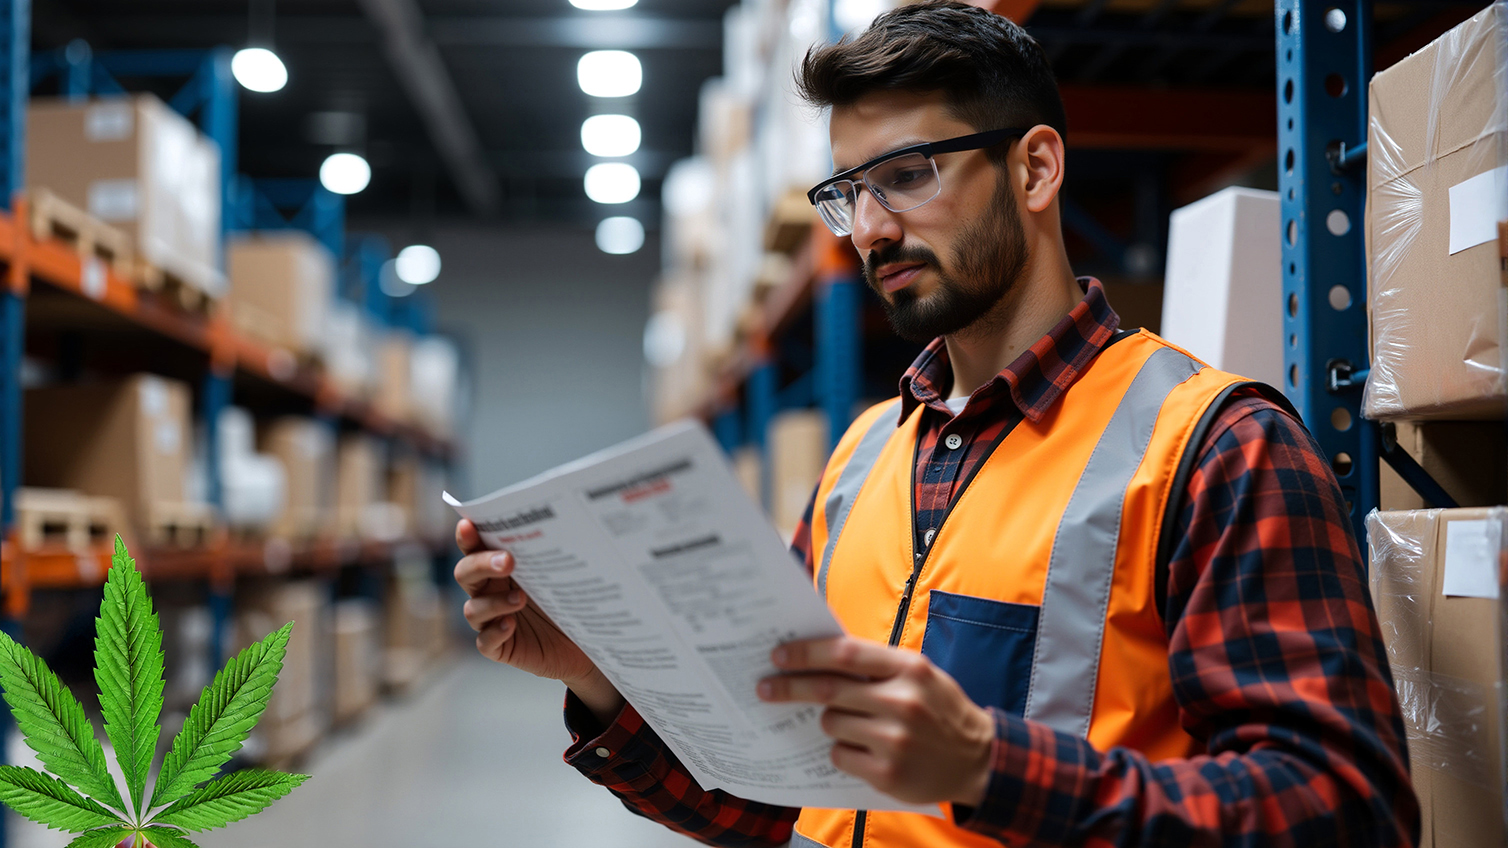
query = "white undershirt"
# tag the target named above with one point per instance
(956, 405)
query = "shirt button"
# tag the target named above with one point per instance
(953, 441)
(602, 752)
(928, 536)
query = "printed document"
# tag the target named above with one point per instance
(652, 558)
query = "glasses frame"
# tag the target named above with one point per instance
(973, 141)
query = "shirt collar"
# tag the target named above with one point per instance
(1038, 377)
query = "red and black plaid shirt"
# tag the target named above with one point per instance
(1275, 652)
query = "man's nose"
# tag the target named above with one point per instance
(873, 224)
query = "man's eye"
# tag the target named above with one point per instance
(910, 175)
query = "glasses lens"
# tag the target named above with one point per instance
(835, 203)
(905, 182)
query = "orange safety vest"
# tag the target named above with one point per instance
(1039, 591)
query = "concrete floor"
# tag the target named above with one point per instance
(473, 760)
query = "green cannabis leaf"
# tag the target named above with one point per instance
(129, 670)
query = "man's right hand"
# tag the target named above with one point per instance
(511, 629)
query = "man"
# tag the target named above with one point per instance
(1094, 591)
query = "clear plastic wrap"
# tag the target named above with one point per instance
(1437, 147)
(1447, 659)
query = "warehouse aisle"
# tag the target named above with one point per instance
(473, 760)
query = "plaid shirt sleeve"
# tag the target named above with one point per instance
(1278, 665)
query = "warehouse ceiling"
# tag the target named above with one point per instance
(482, 93)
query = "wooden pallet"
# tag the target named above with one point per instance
(53, 217)
(63, 516)
(190, 296)
(185, 525)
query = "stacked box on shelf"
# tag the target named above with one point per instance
(414, 622)
(294, 719)
(393, 396)
(1437, 185)
(281, 286)
(306, 449)
(139, 166)
(680, 378)
(1438, 582)
(253, 486)
(357, 654)
(434, 384)
(349, 350)
(128, 439)
(361, 491)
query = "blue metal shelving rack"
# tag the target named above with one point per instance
(1324, 64)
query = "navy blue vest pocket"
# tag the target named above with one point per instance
(985, 645)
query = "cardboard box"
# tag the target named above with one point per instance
(1223, 296)
(434, 381)
(263, 608)
(1437, 182)
(393, 396)
(748, 467)
(357, 645)
(359, 483)
(1440, 584)
(141, 167)
(348, 349)
(129, 440)
(798, 453)
(1469, 459)
(281, 285)
(306, 449)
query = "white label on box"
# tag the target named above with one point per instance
(93, 278)
(168, 437)
(1471, 558)
(154, 396)
(1476, 207)
(109, 121)
(114, 200)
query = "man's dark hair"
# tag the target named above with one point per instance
(991, 72)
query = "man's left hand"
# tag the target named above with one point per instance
(898, 722)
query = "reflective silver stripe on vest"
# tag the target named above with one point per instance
(1071, 624)
(799, 841)
(840, 500)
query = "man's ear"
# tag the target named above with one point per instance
(1040, 160)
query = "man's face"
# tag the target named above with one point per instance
(940, 267)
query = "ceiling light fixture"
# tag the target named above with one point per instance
(610, 135)
(418, 264)
(603, 5)
(612, 182)
(609, 73)
(345, 173)
(620, 235)
(259, 69)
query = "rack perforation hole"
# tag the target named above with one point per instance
(1340, 418)
(1288, 160)
(1293, 376)
(1335, 85)
(1288, 92)
(1293, 340)
(1287, 23)
(1293, 305)
(1293, 233)
(1340, 297)
(1342, 464)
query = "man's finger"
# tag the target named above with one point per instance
(860, 731)
(831, 690)
(467, 537)
(477, 572)
(483, 609)
(842, 654)
(490, 641)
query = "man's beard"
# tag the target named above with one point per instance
(990, 256)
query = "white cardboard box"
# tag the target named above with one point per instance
(1223, 298)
